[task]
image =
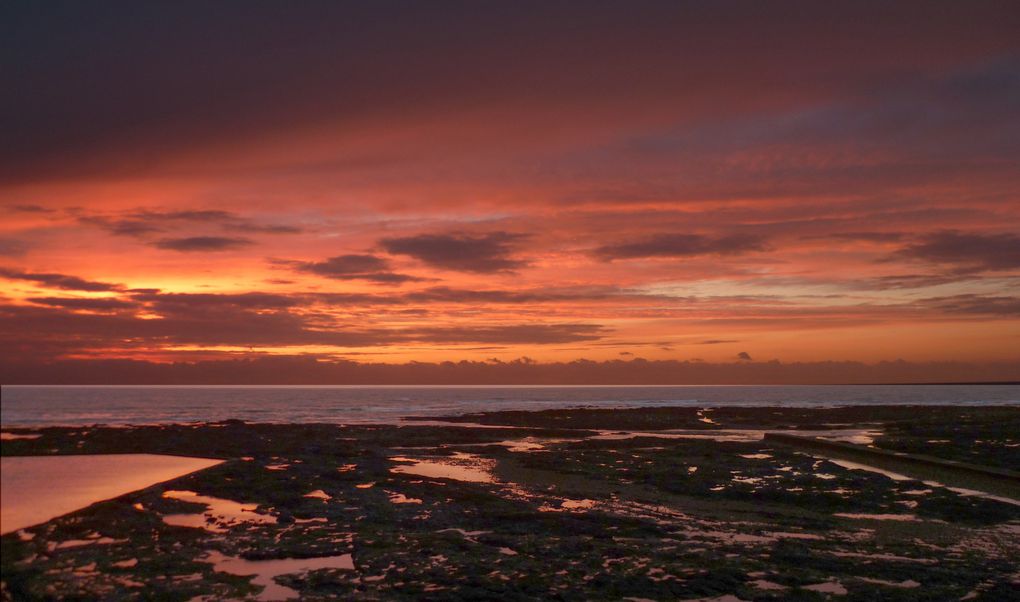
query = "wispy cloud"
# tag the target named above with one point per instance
(967, 251)
(681, 245)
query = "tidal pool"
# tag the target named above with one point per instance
(35, 489)
(459, 467)
(219, 516)
(5, 436)
(264, 571)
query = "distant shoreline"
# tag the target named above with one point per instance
(524, 385)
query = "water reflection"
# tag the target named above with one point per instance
(36, 489)
(264, 571)
(460, 467)
(219, 516)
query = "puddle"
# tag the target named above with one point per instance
(463, 532)
(901, 477)
(871, 557)
(894, 517)
(828, 587)
(467, 535)
(400, 498)
(577, 504)
(907, 584)
(703, 418)
(35, 489)
(220, 515)
(859, 436)
(263, 571)
(793, 535)
(567, 505)
(727, 536)
(16, 436)
(717, 435)
(94, 539)
(855, 466)
(319, 494)
(459, 467)
(529, 444)
(975, 493)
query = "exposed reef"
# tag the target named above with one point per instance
(656, 504)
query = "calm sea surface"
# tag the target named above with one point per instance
(80, 405)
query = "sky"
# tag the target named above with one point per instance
(396, 182)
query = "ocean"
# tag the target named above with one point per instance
(31, 405)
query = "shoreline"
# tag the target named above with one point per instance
(656, 503)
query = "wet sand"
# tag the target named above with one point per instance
(570, 505)
(40, 488)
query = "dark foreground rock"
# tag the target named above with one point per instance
(571, 508)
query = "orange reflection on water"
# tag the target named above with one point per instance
(36, 489)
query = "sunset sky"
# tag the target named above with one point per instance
(418, 181)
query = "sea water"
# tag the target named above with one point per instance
(31, 405)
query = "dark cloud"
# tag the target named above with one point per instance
(539, 334)
(660, 55)
(682, 245)
(967, 251)
(177, 303)
(104, 304)
(61, 281)
(226, 326)
(12, 247)
(353, 267)
(904, 281)
(210, 305)
(485, 254)
(459, 295)
(984, 305)
(744, 356)
(309, 369)
(862, 236)
(192, 215)
(225, 219)
(30, 209)
(868, 143)
(444, 294)
(122, 227)
(264, 228)
(145, 222)
(717, 341)
(192, 244)
(244, 321)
